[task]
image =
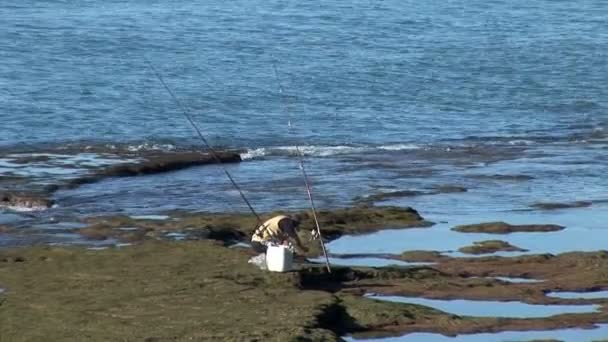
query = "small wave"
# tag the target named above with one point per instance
(521, 142)
(400, 147)
(24, 208)
(151, 147)
(321, 151)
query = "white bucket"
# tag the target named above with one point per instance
(279, 258)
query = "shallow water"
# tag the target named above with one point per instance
(150, 217)
(369, 262)
(480, 308)
(585, 231)
(518, 280)
(584, 295)
(600, 332)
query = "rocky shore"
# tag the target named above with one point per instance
(159, 290)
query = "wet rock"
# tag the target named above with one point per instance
(450, 189)
(420, 256)
(555, 205)
(363, 219)
(505, 228)
(157, 162)
(27, 159)
(409, 193)
(504, 177)
(388, 195)
(7, 180)
(5, 229)
(490, 246)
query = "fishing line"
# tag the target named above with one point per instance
(202, 137)
(301, 160)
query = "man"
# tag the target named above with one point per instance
(277, 230)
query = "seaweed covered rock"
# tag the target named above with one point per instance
(490, 246)
(556, 205)
(231, 228)
(505, 228)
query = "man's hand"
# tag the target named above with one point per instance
(315, 234)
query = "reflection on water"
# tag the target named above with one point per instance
(584, 295)
(589, 234)
(600, 332)
(518, 280)
(482, 308)
(369, 262)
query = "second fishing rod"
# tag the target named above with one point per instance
(304, 174)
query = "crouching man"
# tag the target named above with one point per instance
(279, 230)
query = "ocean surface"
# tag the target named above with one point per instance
(506, 99)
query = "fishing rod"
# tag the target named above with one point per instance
(214, 154)
(304, 174)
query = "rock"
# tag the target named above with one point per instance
(231, 228)
(409, 193)
(388, 195)
(504, 177)
(554, 205)
(157, 162)
(5, 229)
(490, 246)
(450, 189)
(420, 256)
(505, 228)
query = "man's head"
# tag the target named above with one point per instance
(296, 219)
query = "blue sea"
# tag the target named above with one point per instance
(507, 99)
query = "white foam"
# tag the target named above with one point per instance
(151, 146)
(521, 142)
(24, 209)
(322, 151)
(253, 154)
(400, 147)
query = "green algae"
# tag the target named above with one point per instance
(201, 290)
(161, 291)
(153, 291)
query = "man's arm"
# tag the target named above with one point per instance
(290, 231)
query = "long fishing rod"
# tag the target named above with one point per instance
(306, 180)
(202, 137)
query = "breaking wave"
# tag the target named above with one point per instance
(322, 151)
